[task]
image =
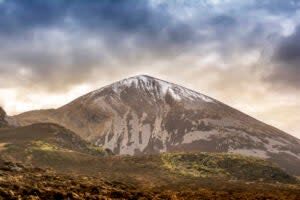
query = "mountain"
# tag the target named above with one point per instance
(146, 115)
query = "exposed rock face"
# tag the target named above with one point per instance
(2, 117)
(145, 115)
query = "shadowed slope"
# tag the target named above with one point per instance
(46, 145)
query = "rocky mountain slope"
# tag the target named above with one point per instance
(145, 115)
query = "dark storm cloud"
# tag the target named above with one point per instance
(287, 61)
(223, 21)
(120, 15)
(278, 6)
(120, 30)
(132, 16)
(65, 41)
(17, 16)
(25, 36)
(289, 49)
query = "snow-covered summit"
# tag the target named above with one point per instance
(156, 87)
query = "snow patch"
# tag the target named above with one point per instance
(273, 145)
(198, 135)
(134, 139)
(250, 152)
(160, 134)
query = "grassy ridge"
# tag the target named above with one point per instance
(227, 165)
(48, 146)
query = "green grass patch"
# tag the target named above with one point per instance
(11, 148)
(227, 165)
(96, 150)
(44, 146)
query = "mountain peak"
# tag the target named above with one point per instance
(156, 88)
(139, 78)
(142, 76)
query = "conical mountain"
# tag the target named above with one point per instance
(146, 115)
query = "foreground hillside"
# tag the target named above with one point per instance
(52, 146)
(47, 161)
(171, 176)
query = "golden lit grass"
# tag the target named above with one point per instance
(44, 146)
(227, 165)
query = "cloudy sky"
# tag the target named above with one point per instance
(243, 53)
